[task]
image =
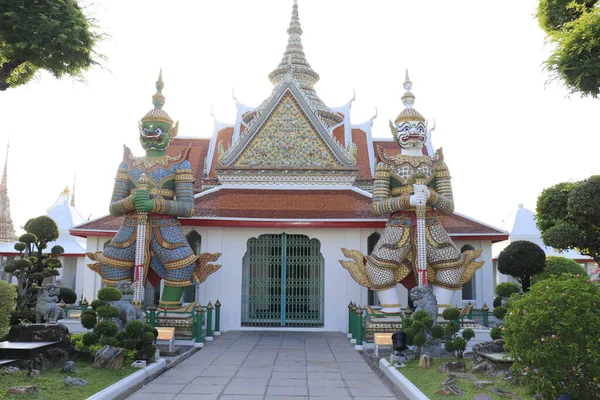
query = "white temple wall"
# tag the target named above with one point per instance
(226, 284)
(91, 281)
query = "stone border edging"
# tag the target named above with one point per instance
(126, 383)
(406, 387)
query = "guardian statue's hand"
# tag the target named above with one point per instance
(421, 195)
(141, 200)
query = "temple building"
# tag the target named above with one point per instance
(278, 194)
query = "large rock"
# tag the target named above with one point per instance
(109, 357)
(39, 333)
(23, 390)
(48, 359)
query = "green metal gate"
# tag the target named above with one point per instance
(283, 282)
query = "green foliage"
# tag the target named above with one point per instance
(496, 333)
(420, 330)
(97, 304)
(451, 313)
(8, 296)
(134, 328)
(108, 312)
(54, 35)
(497, 301)
(22, 316)
(109, 341)
(455, 344)
(34, 265)
(106, 328)
(109, 293)
(506, 289)
(90, 339)
(67, 295)
(468, 334)
(57, 250)
(89, 319)
(437, 331)
(556, 266)
(552, 334)
(499, 312)
(568, 216)
(522, 259)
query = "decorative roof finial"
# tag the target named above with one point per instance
(158, 100)
(408, 99)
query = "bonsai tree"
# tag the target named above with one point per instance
(522, 259)
(552, 335)
(556, 266)
(456, 344)
(420, 330)
(67, 295)
(35, 265)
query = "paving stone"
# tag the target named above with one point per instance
(204, 388)
(287, 390)
(326, 383)
(370, 390)
(289, 375)
(328, 391)
(245, 390)
(151, 396)
(287, 382)
(167, 388)
(190, 396)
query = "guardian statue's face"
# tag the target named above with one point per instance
(155, 135)
(411, 134)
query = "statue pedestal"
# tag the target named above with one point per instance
(376, 322)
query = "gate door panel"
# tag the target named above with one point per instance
(282, 282)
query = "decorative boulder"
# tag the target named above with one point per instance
(69, 366)
(39, 333)
(75, 381)
(109, 357)
(453, 366)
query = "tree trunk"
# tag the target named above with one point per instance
(5, 71)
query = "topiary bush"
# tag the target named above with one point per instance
(90, 339)
(22, 316)
(109, 294)
(420, 330)
(499, 312)
(67, 295)
(456, 344)
(556, 266)
(89, 319)
(552, 335)
(98, 303)
(507, 289)
(108, 312)
(522, 259)
(496, 333)
(106, 329)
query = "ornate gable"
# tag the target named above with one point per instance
(287, 139)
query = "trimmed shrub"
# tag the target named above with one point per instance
(506, 289)
(556, 266)
(98, 303)
(106, 329)
(552, 335)
(88, 319)
(451, 313)
(499, 312)
(496, 333)
(522, 259)
(108, 312)
(67, 295)
(8, 298)
(109, 293)
(90, 339)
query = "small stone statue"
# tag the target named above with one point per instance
(47, 309)
(128, 311)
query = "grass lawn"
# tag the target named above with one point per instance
(430, 380)
(52, 386)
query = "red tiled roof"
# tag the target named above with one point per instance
(197, 155)
(323, 207)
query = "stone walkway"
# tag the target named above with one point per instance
(267, 366)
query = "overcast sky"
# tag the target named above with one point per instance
(476, 69)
